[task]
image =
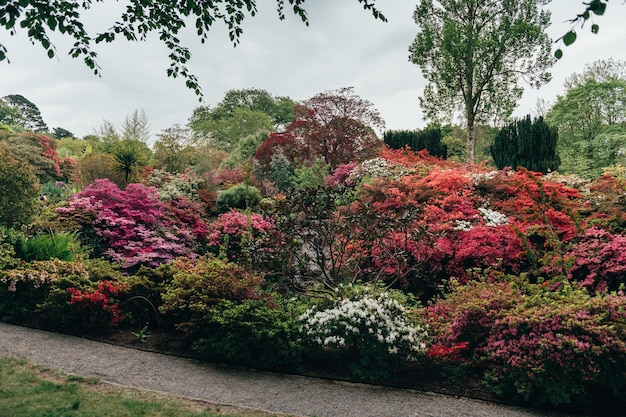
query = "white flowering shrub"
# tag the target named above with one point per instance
(377, 168)
(374, 322)
(493, 218)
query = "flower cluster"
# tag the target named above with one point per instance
(172, 186)
(99, 305)
(370, 320)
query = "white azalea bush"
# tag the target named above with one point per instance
(370, 329)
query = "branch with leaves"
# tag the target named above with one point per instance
(166, 17)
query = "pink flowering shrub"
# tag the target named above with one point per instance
(341, 176)
(236, 235)
(543, 346)
(599, 261)
(135, 227)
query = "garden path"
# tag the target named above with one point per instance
(230, 386)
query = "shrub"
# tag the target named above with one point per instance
(134, 227)
(540, 345)
(239, 196)
(54, 245)
(237, 236)
(250, 333)
(18, 189)
(370, 330)
(599, 261)
(199, 285)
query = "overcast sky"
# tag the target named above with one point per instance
(343, 46)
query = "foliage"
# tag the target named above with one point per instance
(135, 227)
(417, 140)
(173, 151)
(53, 245)
(338, 126)
(135, 24)
(18, 189)
(29, 115)
(528, 144)
(98, 307)
(237, 236)
(199, 285)
(174, 185)
(250, 333)
(136, 127)
(129, 158)
(590, 118)
(368, 318)
(311, 175)
(544, 346)
(240, 196)
(473, 55)
(94, 167)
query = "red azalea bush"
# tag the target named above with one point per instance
(135, 226)
(99, 306)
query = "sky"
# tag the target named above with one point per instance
(344, 46)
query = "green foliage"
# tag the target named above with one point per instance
(173, 151)
(98, 166)
(311, 176)
(528, 144)
(250, 333)
(18, 189)
(245, 150)
(29, 116)
(53, 245)
(136, 127)
(472, 53)
(239, 196)
(197, 286)
(429, 139)
(129, 158)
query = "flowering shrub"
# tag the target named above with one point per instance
(375, 321)
(599, 261)
(172, 186)
(537, 344)
(135, 226)
(98, 307)
(236, 236)
(341, 176)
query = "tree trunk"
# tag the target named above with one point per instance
(471, 135)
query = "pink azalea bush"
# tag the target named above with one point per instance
(135, 226)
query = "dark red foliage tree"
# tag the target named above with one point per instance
(338, 126)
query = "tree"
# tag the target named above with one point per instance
(338, 126)
(18, 189)
(417, 140)
(225, 132)
(136, 127)
(129, 158)
(279, 109)
(140, 18)
(107, 136)
(29, 115)
(591, 117)
(473, 55)
(173, 150)
(60, 133)
(527, 143)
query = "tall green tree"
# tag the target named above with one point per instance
(29, 114)
(474, 53)
(129, 158)
(591, 117)
(226, 131)
(168, 18)
(527, 143)
(173, 150)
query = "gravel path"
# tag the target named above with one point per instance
(223, 385)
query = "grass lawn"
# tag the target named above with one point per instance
(30, 391)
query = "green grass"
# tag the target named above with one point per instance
(29, 391)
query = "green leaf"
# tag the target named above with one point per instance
(597, 7)
(558, 54)
(569, 38)
(50, 53)
(595, 28)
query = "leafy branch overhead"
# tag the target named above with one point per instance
(166, 17)
(594, 7)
